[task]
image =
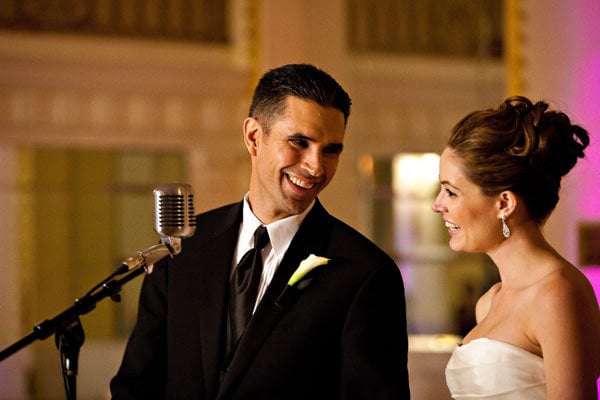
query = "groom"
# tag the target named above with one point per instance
(338, 333)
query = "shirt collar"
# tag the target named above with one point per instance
(281, 232)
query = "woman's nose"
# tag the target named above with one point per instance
(437, 206)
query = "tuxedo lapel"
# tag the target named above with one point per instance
(310, 238)
(214, 267)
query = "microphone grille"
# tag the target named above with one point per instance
(174, 210)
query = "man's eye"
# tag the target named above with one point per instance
(299, 142)
(333, 150)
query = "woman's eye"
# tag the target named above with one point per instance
(450, 193)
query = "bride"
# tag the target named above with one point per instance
(538, 329)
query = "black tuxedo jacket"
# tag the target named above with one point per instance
(340, 334)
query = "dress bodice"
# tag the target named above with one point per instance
(490, 369)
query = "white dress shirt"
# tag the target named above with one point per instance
(281, 233)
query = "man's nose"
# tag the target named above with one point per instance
(313, 163)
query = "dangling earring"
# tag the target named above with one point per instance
(505, 228)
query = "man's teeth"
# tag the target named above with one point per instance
(298, 182)
(450, 225)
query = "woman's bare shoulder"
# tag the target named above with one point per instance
(566, 286)
(565, 318)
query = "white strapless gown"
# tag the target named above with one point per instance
(491, 369)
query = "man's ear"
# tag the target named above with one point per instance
(507, 202)
(252, 130)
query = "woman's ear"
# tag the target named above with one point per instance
(506, 203)
(252, 130)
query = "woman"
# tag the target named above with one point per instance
(538, 329)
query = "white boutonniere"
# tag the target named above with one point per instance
(306, 265)
(297, 282)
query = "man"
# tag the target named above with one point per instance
(339, 333)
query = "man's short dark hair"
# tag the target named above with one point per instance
(304, 81)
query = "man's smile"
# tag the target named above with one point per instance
(300, 182)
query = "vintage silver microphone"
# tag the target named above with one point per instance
(174, 219)
(174, 210)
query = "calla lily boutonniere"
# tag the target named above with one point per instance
(307, 265)
(297, 281)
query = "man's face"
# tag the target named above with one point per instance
(295, 160)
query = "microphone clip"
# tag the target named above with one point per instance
(173, 243)
(169, 246)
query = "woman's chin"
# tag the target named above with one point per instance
(454, 245)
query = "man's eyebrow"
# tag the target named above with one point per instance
(298, 135)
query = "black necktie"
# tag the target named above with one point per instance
(244, 284)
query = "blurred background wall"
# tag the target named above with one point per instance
(102, 100)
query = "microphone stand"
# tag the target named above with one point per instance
(66, 326)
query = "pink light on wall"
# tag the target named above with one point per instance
(593, 274)
(587, 105)
(586, 98)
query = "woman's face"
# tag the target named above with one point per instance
(470, 216)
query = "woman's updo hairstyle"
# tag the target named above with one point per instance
(522, 147)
